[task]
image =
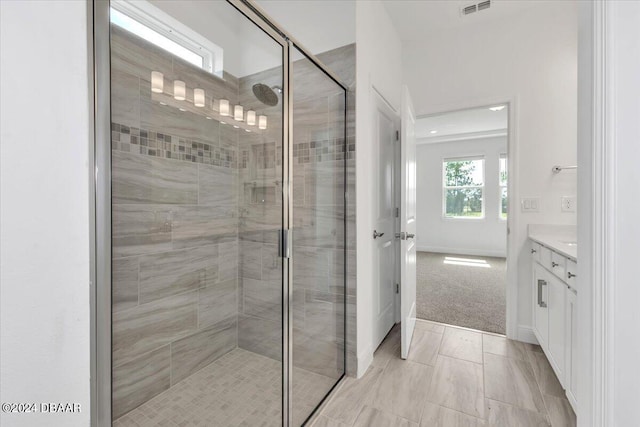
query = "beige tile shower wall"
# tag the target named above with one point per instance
(175, 226)
(318, 220)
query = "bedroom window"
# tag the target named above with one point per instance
(463, 187)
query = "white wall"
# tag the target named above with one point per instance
(379, 65)
(44, 222)
(486, 236)
(530, 60)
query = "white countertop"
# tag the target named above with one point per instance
(556, 237)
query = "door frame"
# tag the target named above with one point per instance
(513, 329)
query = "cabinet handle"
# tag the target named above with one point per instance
(554, 264)
(541, 283)
(533, 251)
(570, 274)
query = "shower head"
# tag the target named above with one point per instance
(266, 94)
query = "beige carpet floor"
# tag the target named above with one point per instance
(462, 290)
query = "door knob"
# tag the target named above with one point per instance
(376, 234)
(410, 236)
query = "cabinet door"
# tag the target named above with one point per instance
(571, 353)
(556, 341)
(540, 310)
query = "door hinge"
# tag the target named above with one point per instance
(284, 243)
(397, 212)
(397, 135)
(397, 288)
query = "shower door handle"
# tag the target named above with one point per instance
(284, 243)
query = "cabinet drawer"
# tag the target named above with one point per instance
(570, 277)
(545, 257)
(535, 251)
(558, 265)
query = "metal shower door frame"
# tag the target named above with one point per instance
(98, 21)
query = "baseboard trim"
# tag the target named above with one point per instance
(365, 358)
(458, 251)
(525, 334)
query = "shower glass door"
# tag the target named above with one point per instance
(223, 274)
(197, 204)
(318, 254)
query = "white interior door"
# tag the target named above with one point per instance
(384, 132)
(407, 233)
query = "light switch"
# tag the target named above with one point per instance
(530, 204)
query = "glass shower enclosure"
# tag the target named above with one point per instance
(221, 218)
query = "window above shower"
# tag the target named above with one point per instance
(157, 27)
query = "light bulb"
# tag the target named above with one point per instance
(224, 107)
(251, 118)
(262, 122)
(238, 113)
(157, 82)
(179, 90)
(198, 97)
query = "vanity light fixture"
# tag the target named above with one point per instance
(251, 118)
(238, 113)
(497, 108)
(157, 82)
(198, 97)
(262, 122)
(179, 90)
(224, 107)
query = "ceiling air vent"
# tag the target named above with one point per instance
(469, 9)
(484, 5)
(477, 7)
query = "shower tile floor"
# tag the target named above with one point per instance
(241, 388)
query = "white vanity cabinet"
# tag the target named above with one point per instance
(554, 312)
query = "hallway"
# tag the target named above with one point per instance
(453, 377)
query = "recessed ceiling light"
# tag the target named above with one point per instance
(433, 131)
(498, 108)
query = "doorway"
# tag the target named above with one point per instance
(462, 205)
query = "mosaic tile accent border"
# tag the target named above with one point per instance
(267, 155)
(303, 152)
(156, 144)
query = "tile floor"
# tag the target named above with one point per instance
(241, 388)
(453, 377)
